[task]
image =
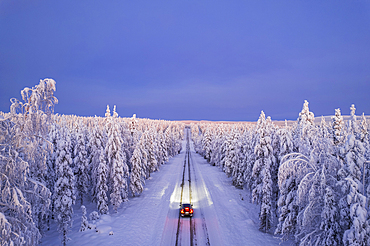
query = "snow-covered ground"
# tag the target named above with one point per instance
(223, 214)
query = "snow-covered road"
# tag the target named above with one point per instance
(190, 189)
(222, 213)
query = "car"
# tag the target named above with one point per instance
(186, 209)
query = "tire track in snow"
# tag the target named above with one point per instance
(203, 219)
(178, 235)
(180, 221)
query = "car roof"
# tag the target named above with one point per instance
(186, 205)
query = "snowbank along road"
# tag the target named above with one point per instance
(223, 214)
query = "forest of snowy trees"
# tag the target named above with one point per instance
(49, 162)
(310, 180)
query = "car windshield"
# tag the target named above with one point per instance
(186, 205)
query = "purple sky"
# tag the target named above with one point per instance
(214, 60)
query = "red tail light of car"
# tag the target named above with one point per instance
(191, 211)
(182, 211)
(187, 209)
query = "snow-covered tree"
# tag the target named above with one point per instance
(50, 161)
(337, 127)
(288, 208)
(141, 146)
(152, 150)
(81, 164)
(196, 137)
(216, 146)
(323, 129)
(136, 185)
(236, 158)
(261, 173)
(352, 203)
(352, 126)
(282, 145)
(162, 148)
(303, 132)
(116, 162)
(6, 231)
(84, 222)
(64, 189)
(25, 198)
(97, 138)
(101, 187)
(207, 144)
(232, 152)
(249, 157)
(330, 221)
(17, 224)
(133, 125)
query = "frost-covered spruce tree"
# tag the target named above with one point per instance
(172, 141)
(163, 148)
(127, 141)
(261, 173)
(358, 232)
(216, 146)
(81, 164)
(274, 169)
(116, 162)
(84, 222)
(152, 150)
(133, 125)
(50, 161)
(363, 136)
(266, 215)
(304, 130)
(337, 128)
(249, 157)
(352, 204)
(136, 185)
(73, 140)
(97, 138)
(352, 126)
(169, 142)
(51, 168)
(176, 140)
(101, 187)
(141, 146)
(288, 208)
(330, 221)
(285, 142)
(236, 158)
(207, 144)
(365, 139)
(323, 129)
(238, 179)
(64, 196)
(231, 153)
(196, 137)
(262, 151)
